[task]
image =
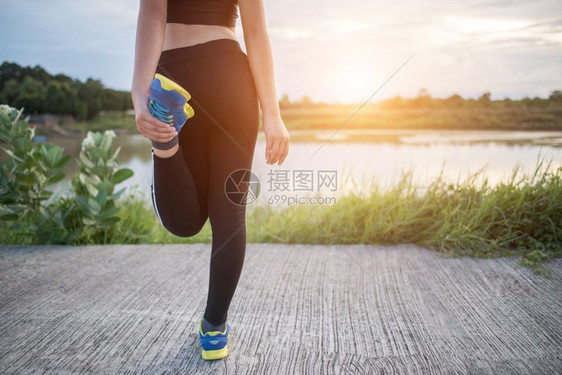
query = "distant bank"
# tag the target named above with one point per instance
(326, 117)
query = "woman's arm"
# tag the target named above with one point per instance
(151, 26)
(256, 39)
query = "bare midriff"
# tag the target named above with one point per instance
(180, 35)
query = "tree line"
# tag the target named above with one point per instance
(40, 92)
(425, 100)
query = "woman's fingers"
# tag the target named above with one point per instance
(154, 129)
(274, 154)
(268, 144)
(280, 152)
(276, 149)
(283, 150)
(284, 153)
(158, 137)
(158, 125)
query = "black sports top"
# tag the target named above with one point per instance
(203, 12)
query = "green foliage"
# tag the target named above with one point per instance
(28, 171)
(94, 183)
(38, 92)
(25, 204)
(30, 94)
(60, 98)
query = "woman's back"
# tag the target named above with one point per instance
(190, 22)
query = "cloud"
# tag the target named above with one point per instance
(466, 47)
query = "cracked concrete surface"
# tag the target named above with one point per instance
(298, 309)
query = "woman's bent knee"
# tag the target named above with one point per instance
(180, 226)
(184, 229)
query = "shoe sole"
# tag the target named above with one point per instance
(210, 355)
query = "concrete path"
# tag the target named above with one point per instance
(298, 309)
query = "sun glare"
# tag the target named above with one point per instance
(354, 82)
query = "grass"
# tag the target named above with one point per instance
(521, 217)
(108, 121)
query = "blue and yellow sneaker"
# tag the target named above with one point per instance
(214, 342)
(168, 102)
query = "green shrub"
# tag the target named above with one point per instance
(94, 183)
(82, 217)
(27, 173)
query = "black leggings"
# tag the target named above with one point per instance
(189, 187)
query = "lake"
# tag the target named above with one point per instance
(352, 158)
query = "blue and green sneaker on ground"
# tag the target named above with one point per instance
(214, 343)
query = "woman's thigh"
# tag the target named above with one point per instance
(221, 137)
(192, 136)
(229, 104)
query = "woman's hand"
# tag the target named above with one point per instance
(149, 126)
(277, 138)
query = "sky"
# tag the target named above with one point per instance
(331, 51)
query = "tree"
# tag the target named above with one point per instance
(484, 99)
(423, 93)
(91, 93)
(10, 71)
(60, 98)
(31, 95)
(10, 91)
(38, 73)
(556, 96)
(285, 101)
(454, 101)
(423, 99)
(395, 102)
(306, 101)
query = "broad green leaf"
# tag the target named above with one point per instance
(101, 198)
(121, 175)
(63, 161)
(106, 142)
(118, 194)
(46, 194)
(82, 204)
(86, 161)
(91, 189)
(11, 153)
(114, 156)
(56, 178)
(107, 186)
(88, 221)
(53, 155)
(108, 213)
(94, 205)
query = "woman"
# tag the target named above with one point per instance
(193, 43)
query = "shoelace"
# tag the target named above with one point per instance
(160, 112)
